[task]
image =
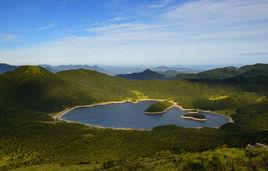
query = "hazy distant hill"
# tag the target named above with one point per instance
(5, 68)
(145, 75)
(111, 70)
(178, 69)
(169, 71)
(73, 67)
(116, 70)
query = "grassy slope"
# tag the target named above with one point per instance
(34, 88)
(218, 73)
(225, 73)
(27, 94)
(98, 86)
(47, 142)
(221, 73)
(37, 89)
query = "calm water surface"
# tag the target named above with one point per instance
(131, 115)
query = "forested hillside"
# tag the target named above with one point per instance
(227, 73)
(30, 136)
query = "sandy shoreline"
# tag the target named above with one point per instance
(103, 127)
(192, 118)
(58, 116)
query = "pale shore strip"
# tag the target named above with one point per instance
(191, 112)
(208, 111)
(193, 118)
(103, 127)
(59, 115)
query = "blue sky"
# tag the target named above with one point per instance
(134, 32)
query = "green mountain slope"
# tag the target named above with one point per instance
(30, 136)
(258, 66)
(95, 86)
(36, 88)
(31, 87)
(219, 73)
(226, 73)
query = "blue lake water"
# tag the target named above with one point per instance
(131, 115)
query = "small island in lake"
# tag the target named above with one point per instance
(158, 107)
(194, 116)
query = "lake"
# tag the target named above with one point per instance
(131, 115)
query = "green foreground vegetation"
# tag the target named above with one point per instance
(29, 96)
(219, 159)
(159, 107)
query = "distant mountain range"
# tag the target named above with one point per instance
(163, 72)
(5, 68)
(111, 70)
(73, 67)
(115, 70)
(177, 69)
(248, 71)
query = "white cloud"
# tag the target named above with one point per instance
(62, 3)
(6, 37)
(117, 19)
(220, 12)
(41, 28)
(194, 32)
(160, 4)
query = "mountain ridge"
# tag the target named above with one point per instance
(144, 75)
(6, 68)
(224, 73)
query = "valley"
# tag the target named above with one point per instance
(133, 85)
(30, 136)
